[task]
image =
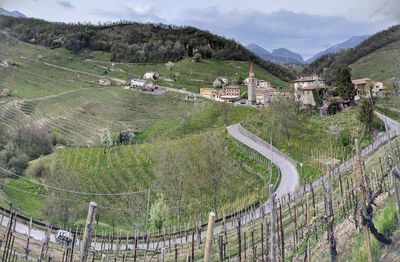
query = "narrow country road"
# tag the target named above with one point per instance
(289, 181)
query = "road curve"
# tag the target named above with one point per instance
(289, 179)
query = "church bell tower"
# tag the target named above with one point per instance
(251, 86)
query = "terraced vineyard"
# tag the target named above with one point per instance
(131, 169)
(81, 115)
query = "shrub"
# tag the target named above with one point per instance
(345, 137)
(18, 163)
(197, 57)
(39, 169)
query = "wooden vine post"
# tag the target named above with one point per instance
(395, 182)
(209, 239)
(330, 216)
(272, 238)
(87, 234)
(361, 181)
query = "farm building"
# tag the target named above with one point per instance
(104, 82)
(4, 63)
(151, 76)
(137, 83)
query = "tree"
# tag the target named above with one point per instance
(240, 80)
(286, 117)
(158, 214)
(225, 110)
(345, 87)
(217, 168)
(3, 136)
(333, 107)
(197, 57)
(366, 113)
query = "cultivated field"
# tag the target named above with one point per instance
(380, 65)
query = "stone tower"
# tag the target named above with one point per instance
(251, 86)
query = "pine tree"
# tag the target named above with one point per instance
(366, 113)
(345, 87)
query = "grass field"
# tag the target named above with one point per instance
(380, 65)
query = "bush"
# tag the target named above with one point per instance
(333, 107)
(197, 57)
(35, 142)
(345, 137)
(377, 124)
(18, 163)
(39, 169)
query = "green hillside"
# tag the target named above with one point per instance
(329, 64)
(380, 65)
(135, 42)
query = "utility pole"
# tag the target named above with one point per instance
(395, 182)
(361, 181)
(272, 205)
(87, 234)
(209, 238)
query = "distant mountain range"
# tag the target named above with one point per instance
(352, 42)
(285, 56)
(280, 56)
(13, 13)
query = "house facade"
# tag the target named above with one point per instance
(209, 92)
(104, 82)
(151, 76)
(362, 86)
(304, 88)
(230, 93)
(137, 83)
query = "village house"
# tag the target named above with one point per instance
(263, 84)
(223, 79)
(137, 83)
(4, 63)
(304, 88)
(362, 86)
(377, 90)
(209, 92)
(151, 76)
(104, 82)
(230, 93)
(265, 95)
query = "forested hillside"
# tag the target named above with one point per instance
(347, 57)
(135, 42)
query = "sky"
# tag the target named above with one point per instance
(303, 26)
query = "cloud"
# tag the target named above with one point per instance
(300, 32)
(140, 13)
(390, 9)
(65, 3)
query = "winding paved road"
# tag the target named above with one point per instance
(288, 183)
